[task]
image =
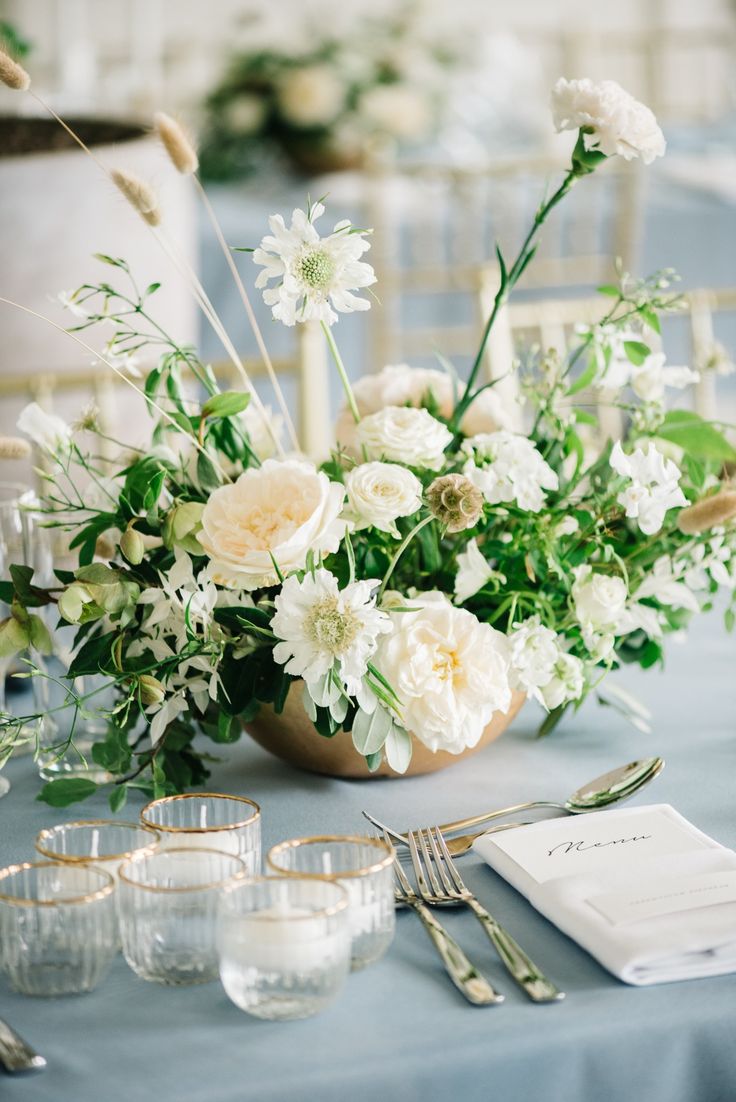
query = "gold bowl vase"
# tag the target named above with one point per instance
(292, 737)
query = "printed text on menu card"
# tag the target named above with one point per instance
(596, 842)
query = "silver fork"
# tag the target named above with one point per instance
(438, 881)
(464, 975)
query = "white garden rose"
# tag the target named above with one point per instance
(611, 119)
(311, 96)
(405, 435)
(379, 493)
(450, 672)
(277, 512)
(401, 385)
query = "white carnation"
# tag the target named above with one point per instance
(611, 119)
(380, 493)
(508, 467)
(449, 670)
(405, 435)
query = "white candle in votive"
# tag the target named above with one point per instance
(281, 938)
(363, 917)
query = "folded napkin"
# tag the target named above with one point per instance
(646, 893)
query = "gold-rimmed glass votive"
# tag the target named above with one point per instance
(284, 945)
(231, 824)
(106, 843)
(364, 867)
(167, 912)
(57, 927)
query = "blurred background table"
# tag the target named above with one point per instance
(400, 1031)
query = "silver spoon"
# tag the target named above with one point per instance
(611, 788)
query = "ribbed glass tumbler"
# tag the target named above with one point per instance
(57, 927)
(167, 912)
(231, 824)
(364, 867)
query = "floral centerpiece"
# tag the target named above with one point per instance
(318, 91)
(435, 570)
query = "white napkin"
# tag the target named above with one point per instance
(646, 893)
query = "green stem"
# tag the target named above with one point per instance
(507, 284)
(341, 372)
(400, 551)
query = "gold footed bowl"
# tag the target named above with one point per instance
(291, 737)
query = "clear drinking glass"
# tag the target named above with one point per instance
(228, 823)
(167, 912)
(57, 927)
(106, 843)
(284, 945)
(364, 866)
(22, 543)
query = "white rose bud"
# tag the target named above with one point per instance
(379, 493)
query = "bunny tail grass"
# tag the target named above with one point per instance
(174, 139)
(139, 194)
(12, 74)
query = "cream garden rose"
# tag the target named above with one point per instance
(277, 512)
(450, 672)
(402, 385)
(380, 493)
(405, 435)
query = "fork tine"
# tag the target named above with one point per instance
(439, 862)
(448, 862)
(399, 874)
(422, 885)
(429, 863)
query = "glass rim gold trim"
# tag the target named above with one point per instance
(88, 897)
(308, 878)
(361, 839)
(199, 830)
(80, 859)
(241, 874)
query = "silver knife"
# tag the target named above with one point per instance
(15, 1053)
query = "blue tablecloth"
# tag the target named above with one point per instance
(400, 1031)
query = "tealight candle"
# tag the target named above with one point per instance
(284, 945)
(364, 867)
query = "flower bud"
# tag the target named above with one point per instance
(132, 546)
(707, 513)
(151, 689)
(72, 602)
(181, 527)
(455, 501)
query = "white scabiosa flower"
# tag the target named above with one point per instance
(404, 435)
(449, 671)
(612, 121)
(380, 493)
(273, 514)
(508, 467)
(315, 276)
(653, 485)
(45, 429)
(323, 627)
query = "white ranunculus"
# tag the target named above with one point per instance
(379, 493)
(401, 385)
(280, 511)
(450, 672)
(611, 119)
(507, 467)
(473, 571)
(311, 95)
(45, 429)
(398, 110)
(405, 435)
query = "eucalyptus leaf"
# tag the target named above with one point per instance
(371, 731)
